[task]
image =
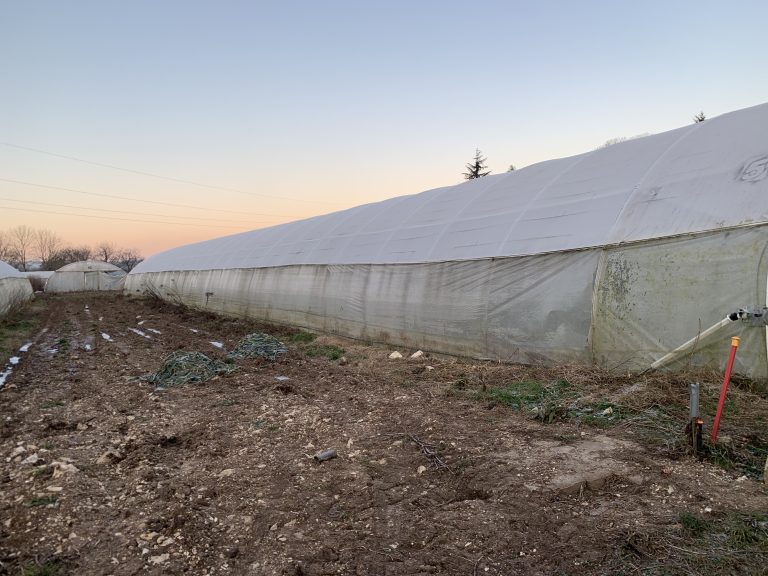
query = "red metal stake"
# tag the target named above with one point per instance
(724, 390)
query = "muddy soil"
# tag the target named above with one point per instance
(101, 473)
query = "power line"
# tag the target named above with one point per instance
(112, 218)
(172, 179)
(127, 211)
(157, 202)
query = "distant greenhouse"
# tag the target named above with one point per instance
(14, 288)
(615, 257)
(85, 276)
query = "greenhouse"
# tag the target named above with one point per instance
(14, 288)
(85, 276)
(615, 257)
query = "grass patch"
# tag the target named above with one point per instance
(330, 351)
(547, 402)
(50, 568)
(226, 402)
(42, 501)
(302, 337)
(51, 404)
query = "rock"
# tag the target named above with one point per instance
(429, 368)
(417, 354)
(395, 355)
(111, 456)
(61, 468)
(607, 412)
(421, 469)
(226, 473)
(159, 559)
(54, 488)
(32, 459)
(18, 451)
(343, 361)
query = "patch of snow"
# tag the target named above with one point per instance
(140, 323)
(14, 360)
(281, 378)
(52, 351)
(101, 318)
(217, 344)
(106, 336)
(88, 347)
(4, 375)
(153, 330)
(25, 348)
(194, 330)
(140, 333)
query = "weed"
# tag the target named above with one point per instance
(226, 402)
(302, 337)
(692, 524)
(43, 501)
(49, 568)
(329, 351)
(51, 404)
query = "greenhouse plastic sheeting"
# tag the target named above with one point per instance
(86, 276)
(14, 288)
(702, 177)
(616, 256)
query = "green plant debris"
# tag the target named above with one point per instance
(258, 345)
(547, 402)
(329, 351)
(185, 368)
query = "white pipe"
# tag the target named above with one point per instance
(682, 349)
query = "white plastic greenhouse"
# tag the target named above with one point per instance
(14, 288)
(88, 275)
(616, 257)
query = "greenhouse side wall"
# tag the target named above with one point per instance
(654, 296)
(13, 292)
(528, 309)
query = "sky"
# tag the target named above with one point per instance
(155, 124)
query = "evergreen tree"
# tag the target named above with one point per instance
(699, 118)
(476, 168)
(511, 168)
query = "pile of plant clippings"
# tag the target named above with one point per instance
(183, 367)
(258, 345)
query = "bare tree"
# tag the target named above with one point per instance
(47, 244)
(127, 259)
(105, 251)
(22, 240)
(6, 248)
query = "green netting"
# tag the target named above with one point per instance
(182, 367)
(258, 345)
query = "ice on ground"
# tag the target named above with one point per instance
(217, 344)
(154, 331)
(14, 360)
(26, 347)
(106, 336)
(195, 330)
(140, 323)
(4, 375)
(88, 347)
(140, 333)
(281, 378)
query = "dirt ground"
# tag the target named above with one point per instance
(101, 473)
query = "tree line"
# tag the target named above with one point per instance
(22, 245)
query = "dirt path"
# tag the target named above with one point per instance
(104, 474)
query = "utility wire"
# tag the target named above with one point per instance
(121, 219)
(157, 202)
(172, 179)
(129, 212)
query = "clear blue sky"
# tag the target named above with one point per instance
(310, 106)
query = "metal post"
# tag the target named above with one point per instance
(695, 423)
(724, 390)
